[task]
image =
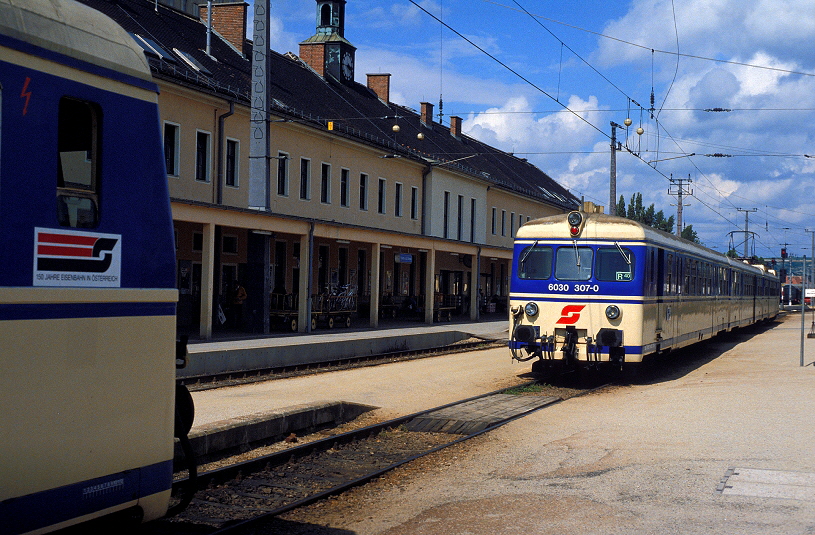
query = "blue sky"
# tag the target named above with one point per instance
(580, 65)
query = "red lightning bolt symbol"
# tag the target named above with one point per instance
(26, 94)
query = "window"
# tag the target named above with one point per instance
(232, 162)
(363, 191)
(345, 188)
(494, 220)
(202, 156)
(305, 177)
(172, 147)
(325, 184)
(397, 200)
(414, 202)
(472, 220)
(535, 262)
(459, 230)
(503, 222)
(381, 204)
(282, 174)
(197, 241)
(512, 225)
(191, 62)
(573, 263)
(229, 244)
(615, 264)
(446, 220)
(78, 145)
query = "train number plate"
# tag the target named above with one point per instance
(578, 288)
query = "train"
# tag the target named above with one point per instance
(791, 295)
(88, 342)
(595, 292)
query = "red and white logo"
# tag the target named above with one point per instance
(570, 314)
(76, 258)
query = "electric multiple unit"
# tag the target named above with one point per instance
(87, 273)
(591, 290)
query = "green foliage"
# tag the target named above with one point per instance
(689, 234)
(525, 389)
(649, 216)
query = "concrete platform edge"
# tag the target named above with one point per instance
(289, 353)
(233, 436)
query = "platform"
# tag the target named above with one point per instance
(217, 357)
(238, 416)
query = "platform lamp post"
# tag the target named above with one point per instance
(803, 305)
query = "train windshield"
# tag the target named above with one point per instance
(573, 263)
(614, 264)
(535, 263)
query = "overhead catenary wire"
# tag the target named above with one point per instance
(567, 109)
(667, 52)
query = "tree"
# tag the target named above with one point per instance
(689, 234)
(649, 216)
(621, 207)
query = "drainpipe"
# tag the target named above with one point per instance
(209, 26)
(221, 121)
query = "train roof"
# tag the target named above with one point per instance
(609, 227)
(73, 30)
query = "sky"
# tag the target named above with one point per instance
(545, 80)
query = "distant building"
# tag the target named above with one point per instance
(363, 192)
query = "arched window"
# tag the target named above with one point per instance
(325, 15)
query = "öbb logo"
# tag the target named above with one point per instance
(570, 314)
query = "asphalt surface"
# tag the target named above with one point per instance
(717, 440)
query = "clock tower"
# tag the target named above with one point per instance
(327, 51)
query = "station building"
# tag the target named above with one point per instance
(366, 198)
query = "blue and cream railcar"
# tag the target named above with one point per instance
(591, 290)
(87, 285)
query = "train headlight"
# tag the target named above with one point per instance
(613, 312)
(531, 309)
(575, 220)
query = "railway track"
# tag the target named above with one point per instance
(236, 498)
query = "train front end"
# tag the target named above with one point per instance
(576, 299)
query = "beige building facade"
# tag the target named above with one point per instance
(379, 215)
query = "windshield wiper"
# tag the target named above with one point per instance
(576, 254)
(527, 253)
(626, 258)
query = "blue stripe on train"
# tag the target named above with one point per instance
(83, 310)
(34, 50)
(49, 507)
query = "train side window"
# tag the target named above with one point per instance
(535, 263)
(573, 263)
(614, 264)
(78, 167)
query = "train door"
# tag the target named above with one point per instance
(753, 292)
(666, 288)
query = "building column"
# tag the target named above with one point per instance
(430, 286)
(376, 251)
(304, 298)
(207, 280)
